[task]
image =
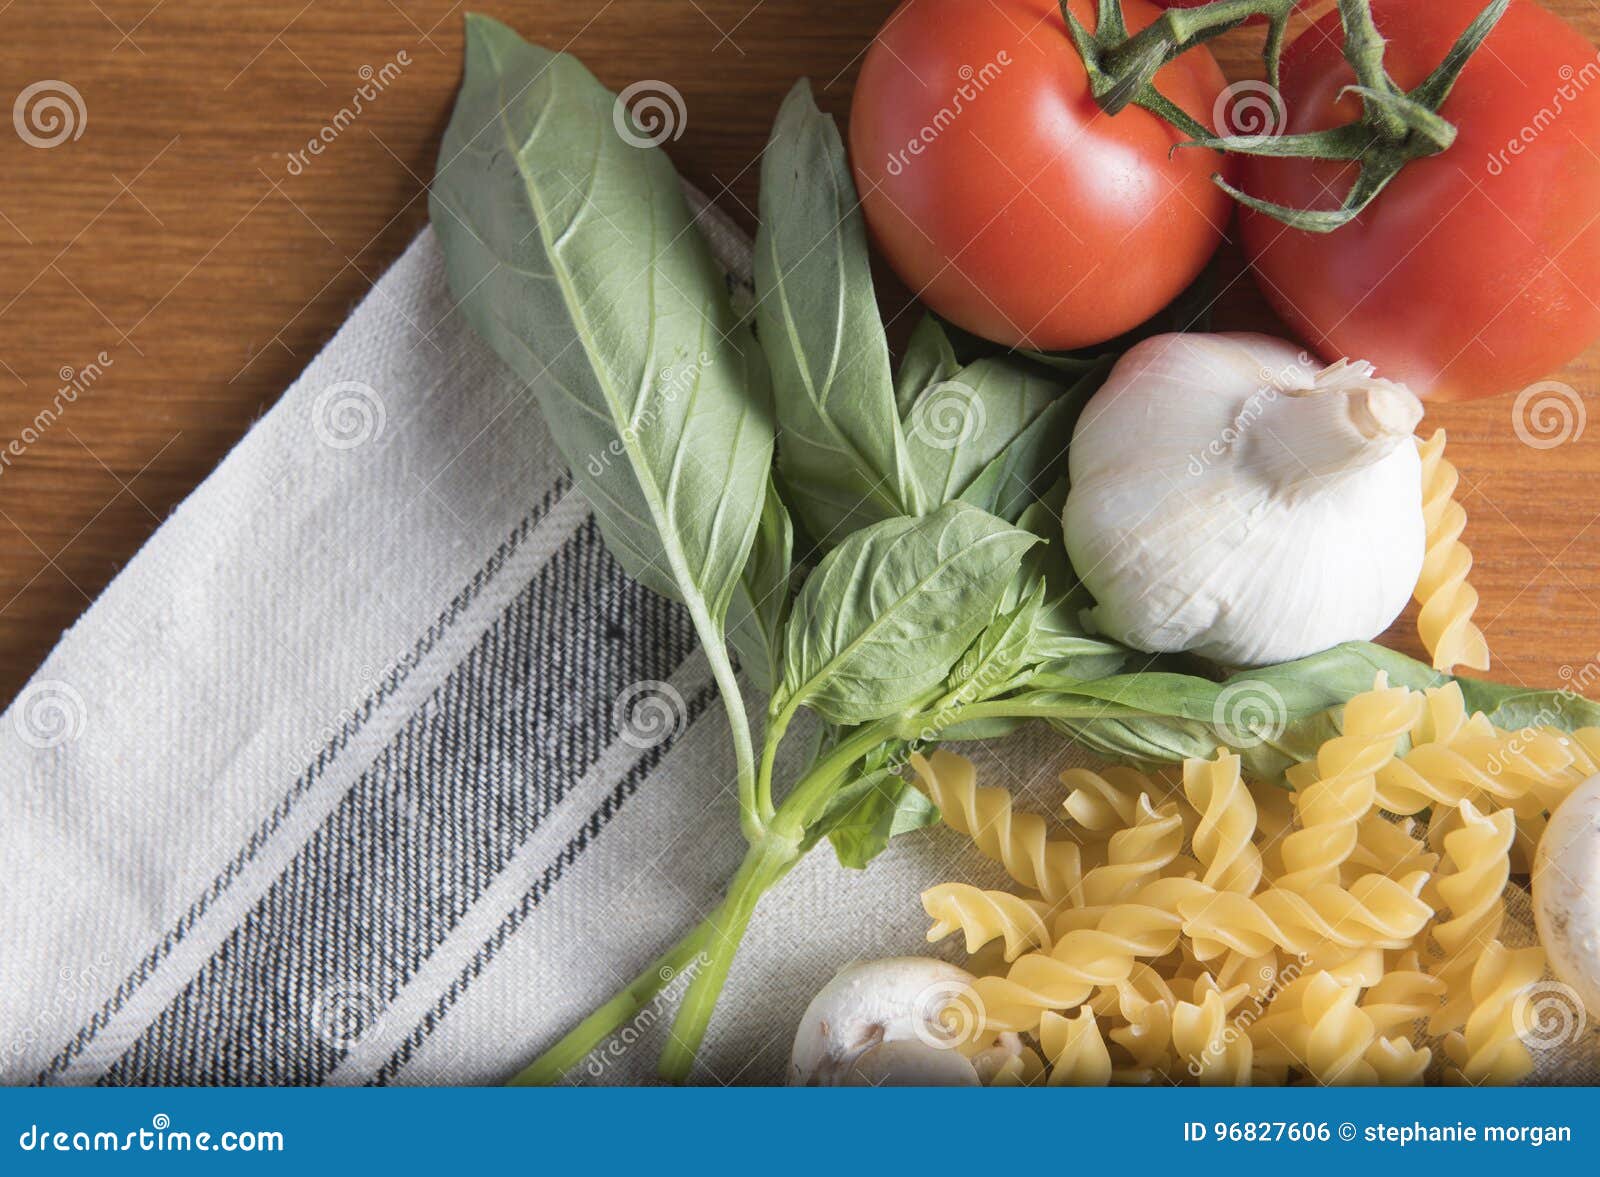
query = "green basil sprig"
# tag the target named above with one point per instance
(571, 250)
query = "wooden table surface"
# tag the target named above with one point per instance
(174, 236)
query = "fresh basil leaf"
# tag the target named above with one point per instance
(929, 359)
(761, 600)
(1033, 460)
(864, 815)
(571, 251)
(999, 652)
(980, 729)
(1061, 646)
(884, 617)
(1279, 715)
(841, 451)
(958, 426)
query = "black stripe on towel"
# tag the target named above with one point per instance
(541, 888)
(324, 759)
(425, 830)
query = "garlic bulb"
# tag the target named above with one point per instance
(1231, 499)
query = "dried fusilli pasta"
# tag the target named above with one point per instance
(1084, 959)
(1490, 1050)
(1104, 802)
(1136, 855)
(1478, 853)
(1229, 934)
(1345, 787)
(1214, 1053)
(1075, 1049)
(1222, 839)
(1447, 600)
(983, 916)
(1018, 841)
(1375, 912)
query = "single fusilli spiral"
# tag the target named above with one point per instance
(1395, 1062)
(1018, 841)
(1213, 1052)
(1075, 1049)
(1106, 801)
(1500, 769)
(1448, 601)
(1135, 856)
(1478, 853)
(1085, 959)
(1320, 1029)
(1490, 1050)
(983, 916)
(1375, 912)
(1388, 847)
(1445, 716)
(1402, 996)
(1222, 840)
(1345, 787)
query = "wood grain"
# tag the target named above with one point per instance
(174, 237)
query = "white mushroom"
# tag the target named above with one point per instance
(909, 1062)
(1566, 892)
(894, 1022)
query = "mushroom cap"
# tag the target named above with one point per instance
(1566, 892)
(872, 1003)
(910, 1062)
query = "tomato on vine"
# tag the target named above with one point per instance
(1474, 270)
(1004, 195)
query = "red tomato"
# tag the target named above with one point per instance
(1002, 194)
(1477, 270)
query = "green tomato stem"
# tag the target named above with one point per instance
(1363, 49)
(1122, 68)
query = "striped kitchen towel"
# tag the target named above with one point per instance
(373, 767)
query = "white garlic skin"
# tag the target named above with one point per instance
(1566, 892)
(1230, 498)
